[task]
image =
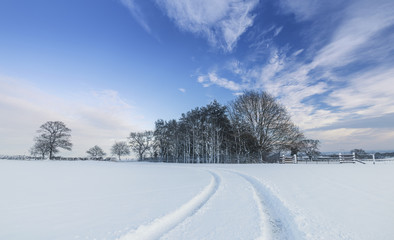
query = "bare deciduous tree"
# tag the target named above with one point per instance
(120, 149)
(40, 148)
(141, 142)
(96, 152)
(54, 135)
(265, 119)
(311, 148)
(294, 140)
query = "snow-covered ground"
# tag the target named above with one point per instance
(106, 200)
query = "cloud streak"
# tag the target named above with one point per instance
(221, 22)
(212, 79)
(137, 14)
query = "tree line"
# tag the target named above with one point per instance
(254, 127)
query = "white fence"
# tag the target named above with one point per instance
(289, 159)
(332, 158)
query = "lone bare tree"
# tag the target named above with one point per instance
(53, 135)
(311, 148)
(120, 149)
(141, 142)
(96, 152)
(266, 120)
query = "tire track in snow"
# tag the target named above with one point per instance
(162, 225)
(230, 214)
(276, 222)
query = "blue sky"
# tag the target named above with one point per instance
(108, 67)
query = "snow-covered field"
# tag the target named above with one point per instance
(106, 200)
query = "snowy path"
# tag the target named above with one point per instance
(162, 225)
(230, 214)
(232, 206)
(276, 221)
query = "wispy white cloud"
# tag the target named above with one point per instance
(274, 65)
(137, 14)
(368, 94)
(182, 90)
(213, 79)
(221, 22)
(235, 66)
(298, 52)
(307, 9)
(363, 20)
(277, 31)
